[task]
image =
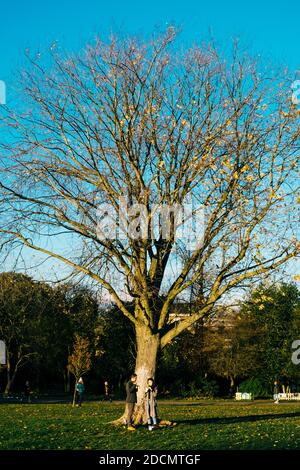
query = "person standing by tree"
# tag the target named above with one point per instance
(131, 399)
(151, 394)
(80, 391)
(276, 391)
(106, 391)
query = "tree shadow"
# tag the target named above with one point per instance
(238, 419)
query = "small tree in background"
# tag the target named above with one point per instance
(79, 362)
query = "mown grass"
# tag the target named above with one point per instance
(215, 425)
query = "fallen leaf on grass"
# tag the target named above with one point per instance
(164, 423)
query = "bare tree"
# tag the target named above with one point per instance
(232, 350)
(157, 127)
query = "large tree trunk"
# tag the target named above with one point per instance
(147, 348)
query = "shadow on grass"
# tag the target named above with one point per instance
(238, 419)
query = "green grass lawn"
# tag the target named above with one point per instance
(207, 425)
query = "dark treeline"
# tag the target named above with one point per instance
(245, 348)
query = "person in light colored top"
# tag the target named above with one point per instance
(151, 404)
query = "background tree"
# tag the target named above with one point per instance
(155, 126)
(183, 368)
(51, 337)
(34, 324)
(232, 349)
(80, 361)
(83, 311)
(118, 349)
(18, 309)
(275, 310)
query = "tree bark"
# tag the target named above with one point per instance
(68, 385)
(10, 382)
(232, 383)
(148, 345)
(10, 376)
(74, 394)
(146, 359)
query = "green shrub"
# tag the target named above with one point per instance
(254, 386)
(201, 388)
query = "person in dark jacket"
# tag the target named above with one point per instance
(27, 391)
(131, 399)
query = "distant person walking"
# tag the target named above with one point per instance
(151, 405)
(106, 391)
(131, 399)
(27, 391)
(79, 391)
(276, 392)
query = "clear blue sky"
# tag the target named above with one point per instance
(271, 28)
